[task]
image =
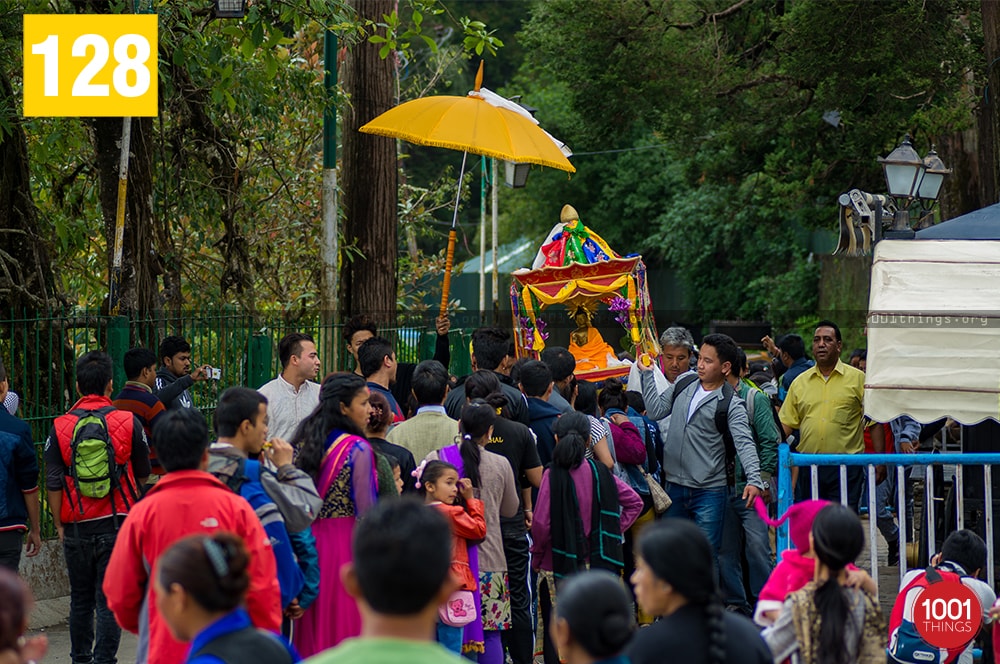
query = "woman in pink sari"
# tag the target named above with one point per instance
(332, 450)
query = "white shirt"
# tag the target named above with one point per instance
(699, 395)
(664, 424)
(286, 407)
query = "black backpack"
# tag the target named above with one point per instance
(721, 422)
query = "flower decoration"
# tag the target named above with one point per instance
(532, 329)
(621, 306)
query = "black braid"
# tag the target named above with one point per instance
(716, 631)
(834, 611)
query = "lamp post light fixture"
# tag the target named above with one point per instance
(912, 183)
(230, 8)
(903, 170)
(911, 179)
(515, 175)
(934, 172)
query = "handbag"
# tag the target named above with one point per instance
(661, 499)
(459, 610)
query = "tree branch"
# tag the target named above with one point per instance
(706, 18)
(764, 80)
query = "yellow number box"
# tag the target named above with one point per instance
(90, 65)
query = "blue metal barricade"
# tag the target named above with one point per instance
(894, 463)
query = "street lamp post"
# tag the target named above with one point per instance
(230, 8)
(911, 181)
(913, 184)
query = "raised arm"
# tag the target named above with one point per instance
(658, 404)
(469, 523)
(442, 345)
(167, 392)
(292, 490)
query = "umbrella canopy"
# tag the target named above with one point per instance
(470, 124)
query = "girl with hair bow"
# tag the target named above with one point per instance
(492, 481)
(439, 484)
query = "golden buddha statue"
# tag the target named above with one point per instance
(587, 345)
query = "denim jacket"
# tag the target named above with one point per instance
(18, 470)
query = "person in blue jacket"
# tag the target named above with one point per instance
(200, 583)
(241, 422)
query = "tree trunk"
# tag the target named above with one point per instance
(26, 278)
(370, 179)
(962, 191)
(138, 292)
(989, 113)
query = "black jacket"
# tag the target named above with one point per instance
(518, 406)
(684, 634)
(173, 391)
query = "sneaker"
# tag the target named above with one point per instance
(892, 557)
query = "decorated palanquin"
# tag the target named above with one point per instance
(575, 268)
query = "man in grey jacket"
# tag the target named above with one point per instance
(694, 451)
(241, 422)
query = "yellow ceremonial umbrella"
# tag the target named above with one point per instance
(470, 124)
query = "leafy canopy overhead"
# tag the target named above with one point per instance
(764, 112)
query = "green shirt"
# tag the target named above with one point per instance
(386, 651)
(765, 433)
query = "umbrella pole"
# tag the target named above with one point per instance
(449, 260)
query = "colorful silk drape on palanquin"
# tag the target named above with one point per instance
(555, 285)
(575, 243)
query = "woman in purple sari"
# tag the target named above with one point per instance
(333, 451)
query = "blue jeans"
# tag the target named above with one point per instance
(885, 496)
(742, 531)
(706, 507)
(86, 559)
(10, 549)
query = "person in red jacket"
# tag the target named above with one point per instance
(87, 520)
(186, 501)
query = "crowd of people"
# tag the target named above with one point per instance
(398, 513)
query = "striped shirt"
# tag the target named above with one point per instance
(138, 398)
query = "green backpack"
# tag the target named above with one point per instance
(92, 456)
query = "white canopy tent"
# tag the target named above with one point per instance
(934, 331)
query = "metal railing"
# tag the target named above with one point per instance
(894, 463)
(39, 351)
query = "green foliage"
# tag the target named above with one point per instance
(238, 139)
(734, 94)
(400, 35)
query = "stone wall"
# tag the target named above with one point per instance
(46, 572)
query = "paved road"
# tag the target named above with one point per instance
(59, 651)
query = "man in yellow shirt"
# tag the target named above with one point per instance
(826, 403)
